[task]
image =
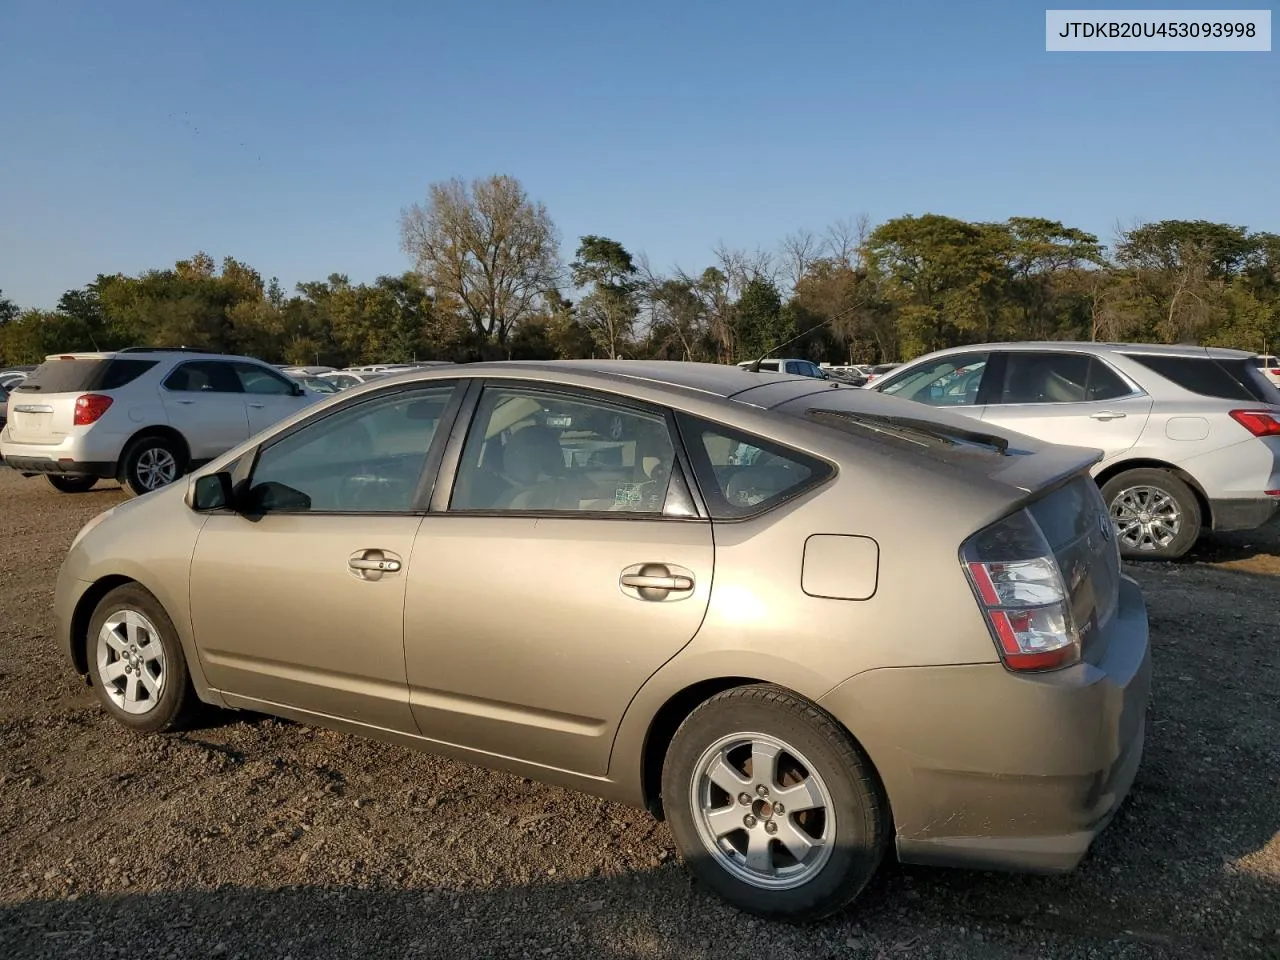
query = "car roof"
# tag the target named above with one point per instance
(708, 379)
(144, 354)
(1096, 347)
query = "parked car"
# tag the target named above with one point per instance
(800, 368)
(1190, 435)
(4, 406)
(318, 384)
(10, 377)
(343, 379)
(876, 371)
(1270, 367)
(314, 371)
(141, 415)
(721, 598)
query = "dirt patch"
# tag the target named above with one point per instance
(254, 838)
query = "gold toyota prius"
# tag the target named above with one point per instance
(799, 621)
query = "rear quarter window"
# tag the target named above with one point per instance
(79, 374)
(1212, 377)
(742, 475)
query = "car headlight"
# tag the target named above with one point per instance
(84, 531)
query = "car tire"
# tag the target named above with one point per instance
(796, 864)
(65, 484)
(150, 463)
(136, 662)
(1155, 513)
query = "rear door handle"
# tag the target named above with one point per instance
(257, 406)
(1107, 415)
(185, 402)
(373, 564)
(656, 582)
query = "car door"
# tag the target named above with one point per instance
(562, 564)
(955, 381)
(298, 598)
(1067, 397)
(269, 396)
(203, 401)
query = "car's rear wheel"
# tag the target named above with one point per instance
(136, 662)
(65, 484)
(149, 464)
(773, 805)
(1155, 513)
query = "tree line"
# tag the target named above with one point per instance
(488, 282)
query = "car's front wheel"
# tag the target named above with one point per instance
(65, 484)
(136, 661)
(149, 464)
(773, 805)
(1155, 513)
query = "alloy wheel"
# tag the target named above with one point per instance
(762, 811)
(131, 661)
(156, 467)
(1146, 518)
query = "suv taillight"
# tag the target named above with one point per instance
(89, 408)
(1022, 594)
(1261, 423)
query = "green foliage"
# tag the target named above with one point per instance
(605, 269)
(8, 309)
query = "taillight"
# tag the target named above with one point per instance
(1261, 423)
(89, 408)
(1022, 595)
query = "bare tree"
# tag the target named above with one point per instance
(799, 251)
(486, 248)
(844, 240)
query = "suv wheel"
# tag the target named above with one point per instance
(65, 484)
(136, 661)
(149, 464)
(773, 805)
(1156, 515)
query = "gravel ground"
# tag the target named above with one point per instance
(255, 838)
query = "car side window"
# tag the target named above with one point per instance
(528, 451)
(951, 381)
(1045, 377)
(203, 376)
(1105, 383)
(742, 475)
(365, 458)
(260, 380)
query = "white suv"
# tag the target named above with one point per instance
(1190, 435)
(143, 416)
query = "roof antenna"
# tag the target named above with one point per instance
(755, 366)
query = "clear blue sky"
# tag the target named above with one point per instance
(290, 134)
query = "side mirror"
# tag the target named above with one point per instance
(299, 390)
(213, 491)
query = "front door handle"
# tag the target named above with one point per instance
(185, 402)
(373, 564)
(656, 582)
(257, 406)
(1107, 415)
(640, 581)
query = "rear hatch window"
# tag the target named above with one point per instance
(1221, 378)
(83, 374)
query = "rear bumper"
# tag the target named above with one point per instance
(1006, 771)
(69, 468)
(1242, 514)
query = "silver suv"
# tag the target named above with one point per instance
(1190, 435)
(143, 416)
